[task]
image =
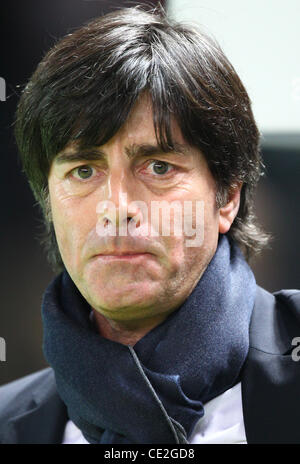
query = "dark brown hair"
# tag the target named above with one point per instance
(86, 85)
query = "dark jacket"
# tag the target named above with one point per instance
(31, 410)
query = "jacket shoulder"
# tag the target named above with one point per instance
(275, 320)
(19, 395)
(291, 299)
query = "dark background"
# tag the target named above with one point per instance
(28, 29)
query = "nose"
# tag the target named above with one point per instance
(118, 209)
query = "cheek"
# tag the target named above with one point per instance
(72, 221)
(198, 241)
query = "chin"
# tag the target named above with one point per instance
(133, 296)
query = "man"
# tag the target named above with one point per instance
(151, 336)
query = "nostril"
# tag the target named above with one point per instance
(131, 220)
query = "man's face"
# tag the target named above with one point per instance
(131, 168)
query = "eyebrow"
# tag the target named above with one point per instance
(132, 151)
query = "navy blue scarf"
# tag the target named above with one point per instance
(152, 392)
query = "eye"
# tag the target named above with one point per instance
(82, 172)
(160, 167)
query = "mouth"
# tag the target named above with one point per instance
(126, 255)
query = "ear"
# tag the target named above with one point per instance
(229, 211)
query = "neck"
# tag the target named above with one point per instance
(126, 332)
